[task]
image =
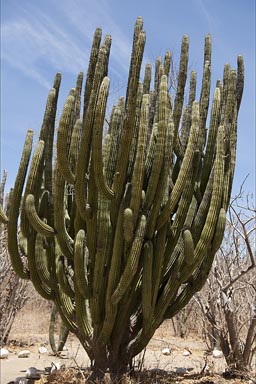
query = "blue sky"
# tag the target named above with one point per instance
(42, 37)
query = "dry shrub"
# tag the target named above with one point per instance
(156, 376)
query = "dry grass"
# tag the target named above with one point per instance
(76, 376)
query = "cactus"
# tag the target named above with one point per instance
(123, 232)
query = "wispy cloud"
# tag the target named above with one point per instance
(85, 16)
(33, 42)
(204, 9)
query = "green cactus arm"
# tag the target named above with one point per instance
(2, 186)
(115, 270)
(185, 206)
(66, 310)
(66, 243)
(240, 81)
(136, 36)
(77, 108)
(91, 70)
(157, 77)
(147, 79)
(132, 154)
(129, 120)
(62, 278)
(162, 120)
(15, 256)
(225, 87)
(42, 262)
(47, 115)
(50, 126)
(132, 262)
(192, 88)
(205, 89)
(75, 142)
(103, 248)
(167, 63)
(83, 317)
(42, 288)
(158, 262)
(3, 217)
(184, 170)
(38, 224)
(97, 140)
(182, 77)
(163, 184)
(230, 164)
(151, 150)
(128, 224)
(114, 132)
(207, 232)
(230, 104)
(167, 296)
(63, 138)
(209, 153)
(62, 329)
(44, 201)
(199, 216)
(86, 138)
(204, 103)
(138, 170)
(219, 231)
(186, 120)
(200, 275)
(216, 200)
(80, 264)
(147, 284)
(188, 247)
(33, 184)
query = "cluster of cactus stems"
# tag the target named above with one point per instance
(120, 226)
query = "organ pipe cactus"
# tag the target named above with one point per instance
(122, 230)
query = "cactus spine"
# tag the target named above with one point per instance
(136, 216)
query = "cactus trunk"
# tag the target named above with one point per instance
(124, 230)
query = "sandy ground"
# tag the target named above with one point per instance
(75, 356)
(30, 331)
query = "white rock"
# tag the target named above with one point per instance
(166, 351)
(23, 354)
(56, 366)
(65, 348)
(4, 353)
(42, 350)
(181, 370)
(186, 353)
(217, 353)
(20, 380)
(32, 373)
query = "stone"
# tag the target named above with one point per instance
(181, 370)
(42, 350)
(166, 351)
(24, 354)
(20, 380)
(4, 353)
(32, 373)
(186, 353)
(56, 366)
(217, 353)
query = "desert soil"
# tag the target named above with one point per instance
(30, 332)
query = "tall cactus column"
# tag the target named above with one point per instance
(120, 228)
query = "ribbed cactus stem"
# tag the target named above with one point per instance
(120, 228)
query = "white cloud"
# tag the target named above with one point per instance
(37, 42)
(33, 41)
